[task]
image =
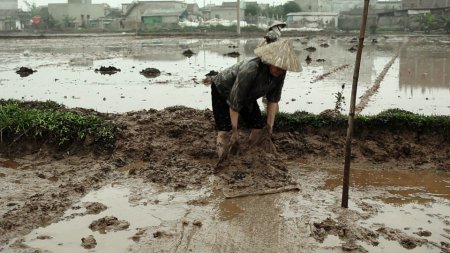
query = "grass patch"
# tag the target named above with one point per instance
(46, 121)
(392, 119)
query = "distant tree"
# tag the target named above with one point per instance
(184, 15)
(428, 21)
(252, 9)
(68, 21)
(290, 6)
(275, 11)
(444, 22)
(280, 11)
(47, 20)
(32, 9)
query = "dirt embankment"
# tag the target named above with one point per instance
(176, 147)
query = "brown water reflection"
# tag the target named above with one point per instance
(421, 67)
(11, 164)
(405, 186)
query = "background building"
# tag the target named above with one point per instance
(152, 13)
(79, 12)
(9, 5)
(9, 15)
(425, 4)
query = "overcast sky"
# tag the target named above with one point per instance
(117, 3)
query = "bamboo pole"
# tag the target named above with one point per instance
(351, 115)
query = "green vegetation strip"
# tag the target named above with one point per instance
(47, 120)
(392, 119)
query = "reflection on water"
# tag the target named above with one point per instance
(418, 81)
(405, 186)
(424, 68)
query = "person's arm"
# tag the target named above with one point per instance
(272, 109)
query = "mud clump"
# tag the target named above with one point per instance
(107, 70)
(88, 242)
(24, 71)
(108, 223)
(353, 49)
(253, 172)
(407, 242)
(311, 49)
(94, 207)
(188, 53)
(150, 72)
(233, 54)
(308, 60)
(346, 232)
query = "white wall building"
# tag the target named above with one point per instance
(81, 10)
(321, 20)
(9, 4)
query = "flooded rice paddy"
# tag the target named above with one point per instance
(390, 210)
(411, 73)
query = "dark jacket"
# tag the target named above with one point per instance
(246, 81)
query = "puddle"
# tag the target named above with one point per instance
(404, 186)
(229, 209)
(65, 73)
(66, 235)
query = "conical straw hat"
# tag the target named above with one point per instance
(280, 54)
(277, 23)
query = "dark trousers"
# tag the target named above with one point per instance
(251, 114)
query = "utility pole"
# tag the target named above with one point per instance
(137, 19)
(351, 115)
(238, 17)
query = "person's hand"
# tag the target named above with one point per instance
(234, 142)
(264, 140)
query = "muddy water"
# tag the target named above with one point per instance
(65, 72)
(66, 235)
(204, 221)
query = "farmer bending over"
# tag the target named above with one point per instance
(273, 34)
(236, 89)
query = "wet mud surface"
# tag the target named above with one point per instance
(160, 190)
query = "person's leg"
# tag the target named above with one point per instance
(254, 120)
(222, 120)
